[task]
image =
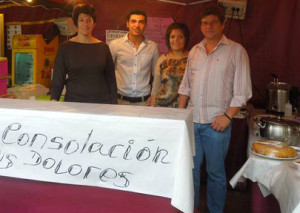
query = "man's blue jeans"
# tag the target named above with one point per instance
(213, 146)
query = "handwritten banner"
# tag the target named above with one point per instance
(126, 153)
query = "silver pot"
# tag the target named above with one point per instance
(279, 129)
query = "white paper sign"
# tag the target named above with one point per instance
(139, 149)
(11, 31)
(106, 151)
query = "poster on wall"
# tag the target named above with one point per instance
(114, 34)
(12, 30)
(156, 29)
(24, 68)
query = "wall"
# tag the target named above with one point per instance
(33, 20)
(270, 33)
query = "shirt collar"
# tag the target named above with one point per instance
(223, 40)
(126, 39)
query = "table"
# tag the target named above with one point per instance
(281, 178)
(237, 151)
(28, 196)
(272, 176)
(283, 181)
(135, 149)
(276, 177)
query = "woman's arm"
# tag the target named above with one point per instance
(157, 81)
(110, 76)
(59, 75)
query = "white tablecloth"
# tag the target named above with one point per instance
(283, 181)
(281, 178)
(143, 130)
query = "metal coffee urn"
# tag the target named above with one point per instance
(277, 95)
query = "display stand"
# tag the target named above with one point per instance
(32, 59)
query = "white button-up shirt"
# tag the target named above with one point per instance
(134, 67)
(216, 81)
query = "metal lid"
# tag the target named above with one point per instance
(280, 121)
(278, 86)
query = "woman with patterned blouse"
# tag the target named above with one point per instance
(170, 67)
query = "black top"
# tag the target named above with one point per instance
(88, 72)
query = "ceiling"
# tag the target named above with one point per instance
(184, 2)
(67, 5)
(179, 2)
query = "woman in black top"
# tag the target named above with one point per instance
(84, 64)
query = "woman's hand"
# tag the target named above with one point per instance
(148, 102)
(152, 100)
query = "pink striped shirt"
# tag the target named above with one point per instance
(216, 81)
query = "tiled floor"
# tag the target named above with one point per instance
(236, 201)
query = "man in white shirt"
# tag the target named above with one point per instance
(135, 59)
(216, 84)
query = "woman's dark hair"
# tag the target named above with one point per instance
(180, 26)
(85, 9)
(216, 10)
(136, 12)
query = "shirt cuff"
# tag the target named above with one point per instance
(238, 101)
(184, 92)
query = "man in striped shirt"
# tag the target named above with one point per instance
(216, 84)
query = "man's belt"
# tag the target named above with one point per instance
(133, 99)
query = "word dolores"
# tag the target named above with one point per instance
(13, 135)
(59, 167)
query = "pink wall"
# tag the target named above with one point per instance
(270, 34)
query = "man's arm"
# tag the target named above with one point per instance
(222, 121)
(242, 90)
